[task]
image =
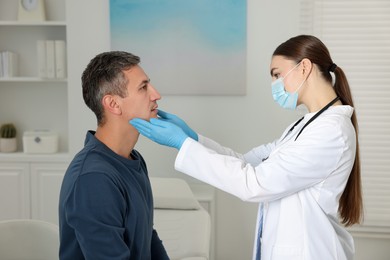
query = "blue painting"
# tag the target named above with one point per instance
(187, 47)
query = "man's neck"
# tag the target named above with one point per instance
(120, 141)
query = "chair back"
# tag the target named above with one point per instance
(28, 239)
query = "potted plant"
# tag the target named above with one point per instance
(8, 142)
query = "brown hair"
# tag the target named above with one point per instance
(104, 75)
(310, 47)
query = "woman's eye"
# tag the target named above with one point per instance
(276, 75)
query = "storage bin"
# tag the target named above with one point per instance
(40, 141)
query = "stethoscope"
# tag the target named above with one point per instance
(311, 119)
(308, 122)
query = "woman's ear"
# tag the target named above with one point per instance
(111, 104)
(307, 66)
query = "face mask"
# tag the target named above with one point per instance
(281, 96)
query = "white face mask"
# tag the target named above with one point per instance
(281, 96)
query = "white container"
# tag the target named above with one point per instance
(40, 141)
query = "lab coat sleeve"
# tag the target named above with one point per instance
(292, 167)
(254, 156)
(212, 145)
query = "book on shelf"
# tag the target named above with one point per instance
(8, 64)
(51, 57)
(60, 58)
(50, 60)
(41, 55)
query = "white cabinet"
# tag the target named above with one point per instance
(46, 180)
(30, 190)
(14, 190)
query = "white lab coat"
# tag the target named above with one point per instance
(300, 184)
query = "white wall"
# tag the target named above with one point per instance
(239, 122)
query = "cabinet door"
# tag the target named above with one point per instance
(46, 179)
(14, 191)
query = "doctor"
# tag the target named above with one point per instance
(307, 182)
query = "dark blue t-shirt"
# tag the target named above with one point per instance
(106, 207)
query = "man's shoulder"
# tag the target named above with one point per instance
(85, 159)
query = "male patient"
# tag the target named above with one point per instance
(106, 203)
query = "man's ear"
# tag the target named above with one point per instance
(111, 105)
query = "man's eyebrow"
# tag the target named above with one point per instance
(145, 81)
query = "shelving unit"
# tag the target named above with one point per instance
(28, 101)
(30, 183)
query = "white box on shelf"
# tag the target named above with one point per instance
(40, 141)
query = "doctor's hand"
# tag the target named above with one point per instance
(160, 131)
(165, 116)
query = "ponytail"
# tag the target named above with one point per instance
(351, 201)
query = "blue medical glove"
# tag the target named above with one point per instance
(179, 122)
(160, 131)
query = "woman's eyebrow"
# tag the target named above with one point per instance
(272, 71)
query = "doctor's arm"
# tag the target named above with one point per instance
(255, 156)
(172, 131)
(293, 168)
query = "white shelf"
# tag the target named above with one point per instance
(25, 157)
(32, 79)
(45, 23)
